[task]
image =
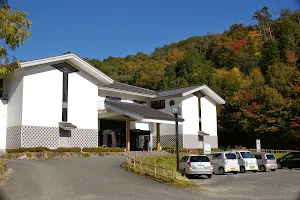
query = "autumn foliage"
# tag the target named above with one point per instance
(254, 68)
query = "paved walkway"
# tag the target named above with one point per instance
(84, 178)
(103, 178)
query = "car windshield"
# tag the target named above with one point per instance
(199, 159)
(270, 157)
(247, 155)
(230, 156)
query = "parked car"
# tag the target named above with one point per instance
(247, 161)
(196, 165)
(224, 162)
(266, 161)
(291, 160)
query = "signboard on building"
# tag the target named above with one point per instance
(258, 146)
(207, 148)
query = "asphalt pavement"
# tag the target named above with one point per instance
(103, 178)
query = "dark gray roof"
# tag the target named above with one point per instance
(140, 109)
(131, 88)
(176, 91)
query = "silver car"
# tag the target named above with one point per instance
(266, 161)
(196, 165)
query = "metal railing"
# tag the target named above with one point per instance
(200, 151)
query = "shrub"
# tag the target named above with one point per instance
(29, 154)
(103, 149)
(71, 149)
(85, 155)
(3, 167)
(33, 149)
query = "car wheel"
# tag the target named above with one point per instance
(262, 168)
(242, 169)
(279, 165)
(235, 172)
(273, 170)
(221, 171)
(209, 175)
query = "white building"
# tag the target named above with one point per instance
(64, 101)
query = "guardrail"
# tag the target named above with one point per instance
(200, 151)
(154, 171)
(272, 151)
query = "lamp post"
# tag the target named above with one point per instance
(175, 109)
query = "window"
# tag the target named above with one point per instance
(158, 104)
(113, 98)
(199, 159)
(65, 87)
(64, 114)
(246, 154)
(270, 157)
(139, 102)
(184, 159)
(217, 156)
(257, 156)
(230, 156)
(201, 138)
(1, 87)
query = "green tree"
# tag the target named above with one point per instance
(14, 31)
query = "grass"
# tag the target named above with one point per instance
(165, 171)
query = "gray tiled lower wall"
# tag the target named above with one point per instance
(212, 140)
(168, 141)
(32, 136)
(13, 137)
(186, 141)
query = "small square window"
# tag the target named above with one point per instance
(158, 104)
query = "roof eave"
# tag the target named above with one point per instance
(204, 88)
(71, 58)
(126, 92)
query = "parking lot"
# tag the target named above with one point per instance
(282, 184)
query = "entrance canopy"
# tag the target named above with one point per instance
(140, 112)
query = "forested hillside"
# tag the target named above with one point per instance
(254, 68)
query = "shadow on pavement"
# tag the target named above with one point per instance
(2, 197)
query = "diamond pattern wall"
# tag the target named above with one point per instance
(84, 138)
(168, 140)
(212, 140)
(186, 141)
(192, 142)
(13, 137)
(33, 136)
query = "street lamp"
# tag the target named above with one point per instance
(175, 110)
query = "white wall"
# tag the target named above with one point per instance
(124, 97)
(146, 126)
(42, 96)
(190, 114)
(3, 117)
(82, 101)
(15, 96)
(208, 116)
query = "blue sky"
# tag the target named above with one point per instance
(102, 28)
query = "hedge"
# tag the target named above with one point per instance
(63, 149)
(33, 149)
(103, 149)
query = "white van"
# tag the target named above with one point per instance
(247, 161)
(224, 162)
